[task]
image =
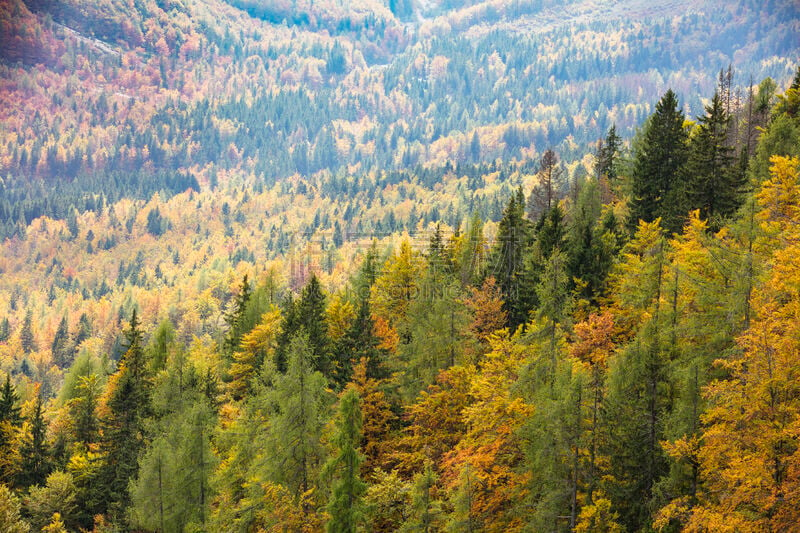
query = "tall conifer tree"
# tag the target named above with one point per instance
(659, 183)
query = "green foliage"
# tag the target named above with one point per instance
(506, 261)
(82, 409)
(463, 519)
(438, 339)
(636, 407)
(608, 155)
(658, 177)
(302, 406)
(359, 342)
(62, 349)
(346, 503)
(158, 349)
(35, 450)
(425, 513)
(58, 495)
(124, 428)
(26, 334)
(715, 183)
(171, 490)
(387, 501)
(311, 319)
(10, 518)
(235, 317)
(9, 410)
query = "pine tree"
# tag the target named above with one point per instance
(473, 255)
(10, 420)
(753, 411)
(659, 183)
(83, 332)
(638, 400)
(394, 289)
(463, 518)
(554, 304)
(159, 347)
(256, 346)
(171, 490)
(437, 323)
(345, 505)
(715, 186)
(592, 244)
(368, 272)
(290, 324)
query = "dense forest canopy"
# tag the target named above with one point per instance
(404, 266)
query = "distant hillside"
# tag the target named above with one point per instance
(100, 99)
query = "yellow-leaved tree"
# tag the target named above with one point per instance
(750, 451)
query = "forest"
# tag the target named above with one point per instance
(442, 266)
(620, 354)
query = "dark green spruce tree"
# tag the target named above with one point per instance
(658, 176)
(61, 348)
(716, 182)
(35, 451)
(124, 426)
(26, 334)
(9, 410)
(507, 258)
(359, 342)
(608, 156)
(235, 318)
(311, 318)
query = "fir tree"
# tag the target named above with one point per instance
(359, 342)
(426, 509)
(549, 187)
(84, 330)
(83, 407)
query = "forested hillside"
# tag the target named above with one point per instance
(408, 266)
(108, 100)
